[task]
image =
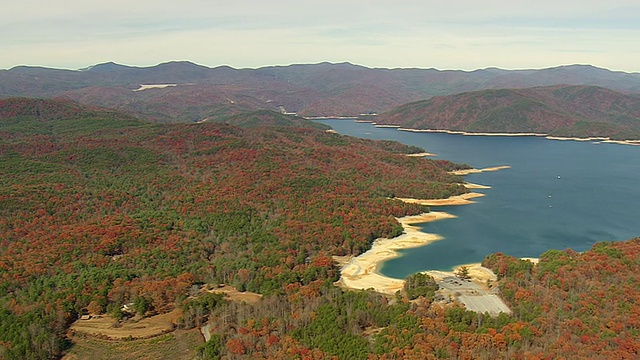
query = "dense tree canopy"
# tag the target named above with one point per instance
(104, 210)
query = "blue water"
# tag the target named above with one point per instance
(528, 209)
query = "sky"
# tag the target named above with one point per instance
(455, 34)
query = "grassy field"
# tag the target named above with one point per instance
(153, 337)
(103, 327)
(179, 344)
(232, 294)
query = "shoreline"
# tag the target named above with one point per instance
(477, 171)
(463, 199)
(595, 139)
(604, 139)
(361, 272)
(465, 133)
(422, 154)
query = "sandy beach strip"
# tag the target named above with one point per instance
(386, 126)
(596, 139)
(577, 139)
(463, 199)
(547, 136)
(469, 185)
(532, 259)
(466, 133)
(361, 272)
(422, 154)
(477, 171)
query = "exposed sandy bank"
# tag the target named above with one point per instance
(456, 132)
(576, 139)
(361, 272)
(596, 139)
(463, 199)
(476, 186)
(477, 273)
(477, 171)
(386, 126)
(421, 154)
(533, 260)
(465, 133)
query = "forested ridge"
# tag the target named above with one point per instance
(98, 210)
(560, 110)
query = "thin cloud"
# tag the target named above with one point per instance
(462, 34)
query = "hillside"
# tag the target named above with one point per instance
(570, 111)
(98, 211)
(25, 116)
(322, 89)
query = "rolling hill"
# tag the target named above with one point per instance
(563, 110)
(322, 89)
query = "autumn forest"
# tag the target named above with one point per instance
(99, 209)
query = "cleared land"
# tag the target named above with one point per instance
(232, 294)
(482, 303)
(474, 296)
(177, 345)
(103, 326)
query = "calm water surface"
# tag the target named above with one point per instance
(556, 195)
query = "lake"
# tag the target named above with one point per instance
(556, 195)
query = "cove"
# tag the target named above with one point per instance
(555, 195)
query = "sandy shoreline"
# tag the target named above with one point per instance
(469, 185)
(463, 199)
(477, 171)
(547, 136)
(596, 139)
(466, 133)
(361, 272)
(422, 154)
(457, 132)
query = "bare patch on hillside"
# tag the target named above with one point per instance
(106, 327)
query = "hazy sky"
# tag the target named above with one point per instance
(454, 34)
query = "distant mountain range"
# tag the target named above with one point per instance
(199, 92)
(560, 110)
